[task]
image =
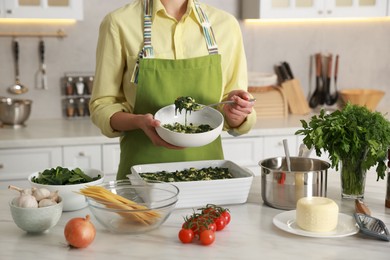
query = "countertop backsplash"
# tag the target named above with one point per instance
(362, 45)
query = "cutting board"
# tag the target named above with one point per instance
(270, 101)
(296, 99)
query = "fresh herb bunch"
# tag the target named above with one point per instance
(353, 133)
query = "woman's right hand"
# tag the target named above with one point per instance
(149, 129)
(123, 121)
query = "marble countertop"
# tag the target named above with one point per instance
(250, 235)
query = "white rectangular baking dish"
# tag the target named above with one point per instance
(200, 193)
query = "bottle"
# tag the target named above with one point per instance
(80, 86)
(70, 108)
(69, 90)
(388, 181)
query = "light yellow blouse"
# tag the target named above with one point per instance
(121, 39)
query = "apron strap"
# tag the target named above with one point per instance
(207, 29)
(147, 49)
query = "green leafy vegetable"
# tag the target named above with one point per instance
(351, 133)
(190, 174)
(189, 128)
(63, 176)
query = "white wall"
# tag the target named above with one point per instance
(364, 49)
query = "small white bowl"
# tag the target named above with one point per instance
(208, 115)
(71, 199)
(36, 220)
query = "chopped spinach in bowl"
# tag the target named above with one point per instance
(63, 176)
(191, 174)
(188, 129)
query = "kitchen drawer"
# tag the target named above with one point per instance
(83, 156)
(244, 151)
(18, 164)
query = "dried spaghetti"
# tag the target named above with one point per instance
(111, 200)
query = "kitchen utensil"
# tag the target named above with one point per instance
(36, 220)
(317, 96)
(304, 151)
(157, 198)
(286, 151)
(72, 200)
(220, 103)
(200, 193)
(18, 87)
(361, 207)
(206, 116)
(328, 80)
(42, 77)
(369, 98)
(371, 226)
(284, 196)
(14, 112)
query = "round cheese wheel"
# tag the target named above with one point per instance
(317, 214)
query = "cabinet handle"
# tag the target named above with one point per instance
(81, 154)
(1, 166)
(329, 12)
(320, 12)
(9, 11)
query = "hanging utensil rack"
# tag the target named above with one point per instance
(58, 34)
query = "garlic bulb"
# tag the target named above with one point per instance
(26, 201)
(46, 202)
(41, 193)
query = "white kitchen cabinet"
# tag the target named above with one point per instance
(292, 9)
(43, 9)
(273, 146)
(244, 151)
(111, 154)
(83, 156)
(17, 164)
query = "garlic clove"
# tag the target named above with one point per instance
(41, 193)
(54, 195)
(46, 202)
(22, 191)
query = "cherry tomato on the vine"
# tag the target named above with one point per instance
(227, 216)
(220, 222)
(186, 235)
(207, 237)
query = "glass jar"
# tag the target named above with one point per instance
(387, 203)
(69, 88)
(70, 107)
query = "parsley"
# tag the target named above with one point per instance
(353, 133)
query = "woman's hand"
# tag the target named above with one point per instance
(149, 128)
(123, 121)
(235, 114)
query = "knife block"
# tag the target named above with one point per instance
(296, 100)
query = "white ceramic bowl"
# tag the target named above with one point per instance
(71, 199)
(36, 220)
(210, 116)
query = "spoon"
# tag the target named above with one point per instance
(17, 88)
(220, 103)
(285, 145)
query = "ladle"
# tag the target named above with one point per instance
(17, 88)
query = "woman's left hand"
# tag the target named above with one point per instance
(235, 114)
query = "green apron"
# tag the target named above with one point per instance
(159, 83)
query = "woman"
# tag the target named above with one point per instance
(152, 51)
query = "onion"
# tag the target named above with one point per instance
(80, 232)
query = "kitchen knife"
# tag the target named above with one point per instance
(43, 65)
(288, 69)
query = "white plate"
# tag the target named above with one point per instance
(346, 226)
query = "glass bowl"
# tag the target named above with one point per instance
(154, 203)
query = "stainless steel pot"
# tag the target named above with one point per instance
(281, 188)
(14, 112)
